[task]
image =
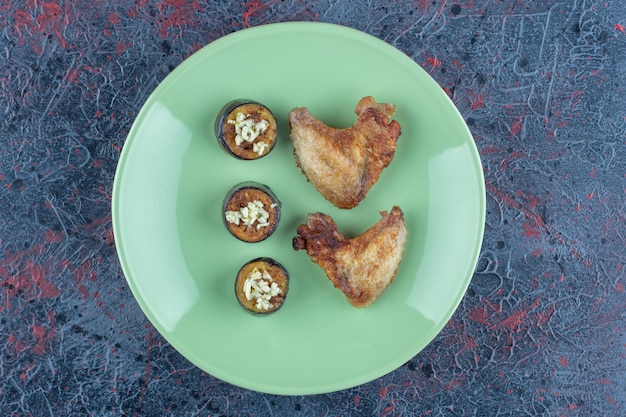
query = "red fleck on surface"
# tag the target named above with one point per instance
(423, 4)
(177, 14)
(620, 28)
(478, 103)
(533, 201)
(432, 60)
(18, 345)
(516, 127)
(514, 321)
(41, 338)
(53, 20)
(387, 410)
(23, 273)
(563, 361)
(120, 47)
(479, 315)
(114, 18)
(22, 17)
(50, 13)
(469, 343)
(252, 9)
(443, 6)
(50, 236)
(531, 230)
(489, 150)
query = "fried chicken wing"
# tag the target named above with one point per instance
(343, 164)
(362, 267)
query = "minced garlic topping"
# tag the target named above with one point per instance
(247, 130)
(260, 147)
(250, 214)
(259, 286)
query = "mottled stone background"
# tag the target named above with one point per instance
(541, 331)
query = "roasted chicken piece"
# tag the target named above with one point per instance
(343, 164)
(362, 267)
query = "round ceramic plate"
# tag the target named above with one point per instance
(181, 263)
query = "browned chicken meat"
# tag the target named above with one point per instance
(362, 267)
(343, 164)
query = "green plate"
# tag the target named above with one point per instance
(180, 262)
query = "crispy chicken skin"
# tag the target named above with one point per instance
(363, 267)
(343, 164)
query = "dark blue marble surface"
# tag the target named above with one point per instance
(542, 329)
